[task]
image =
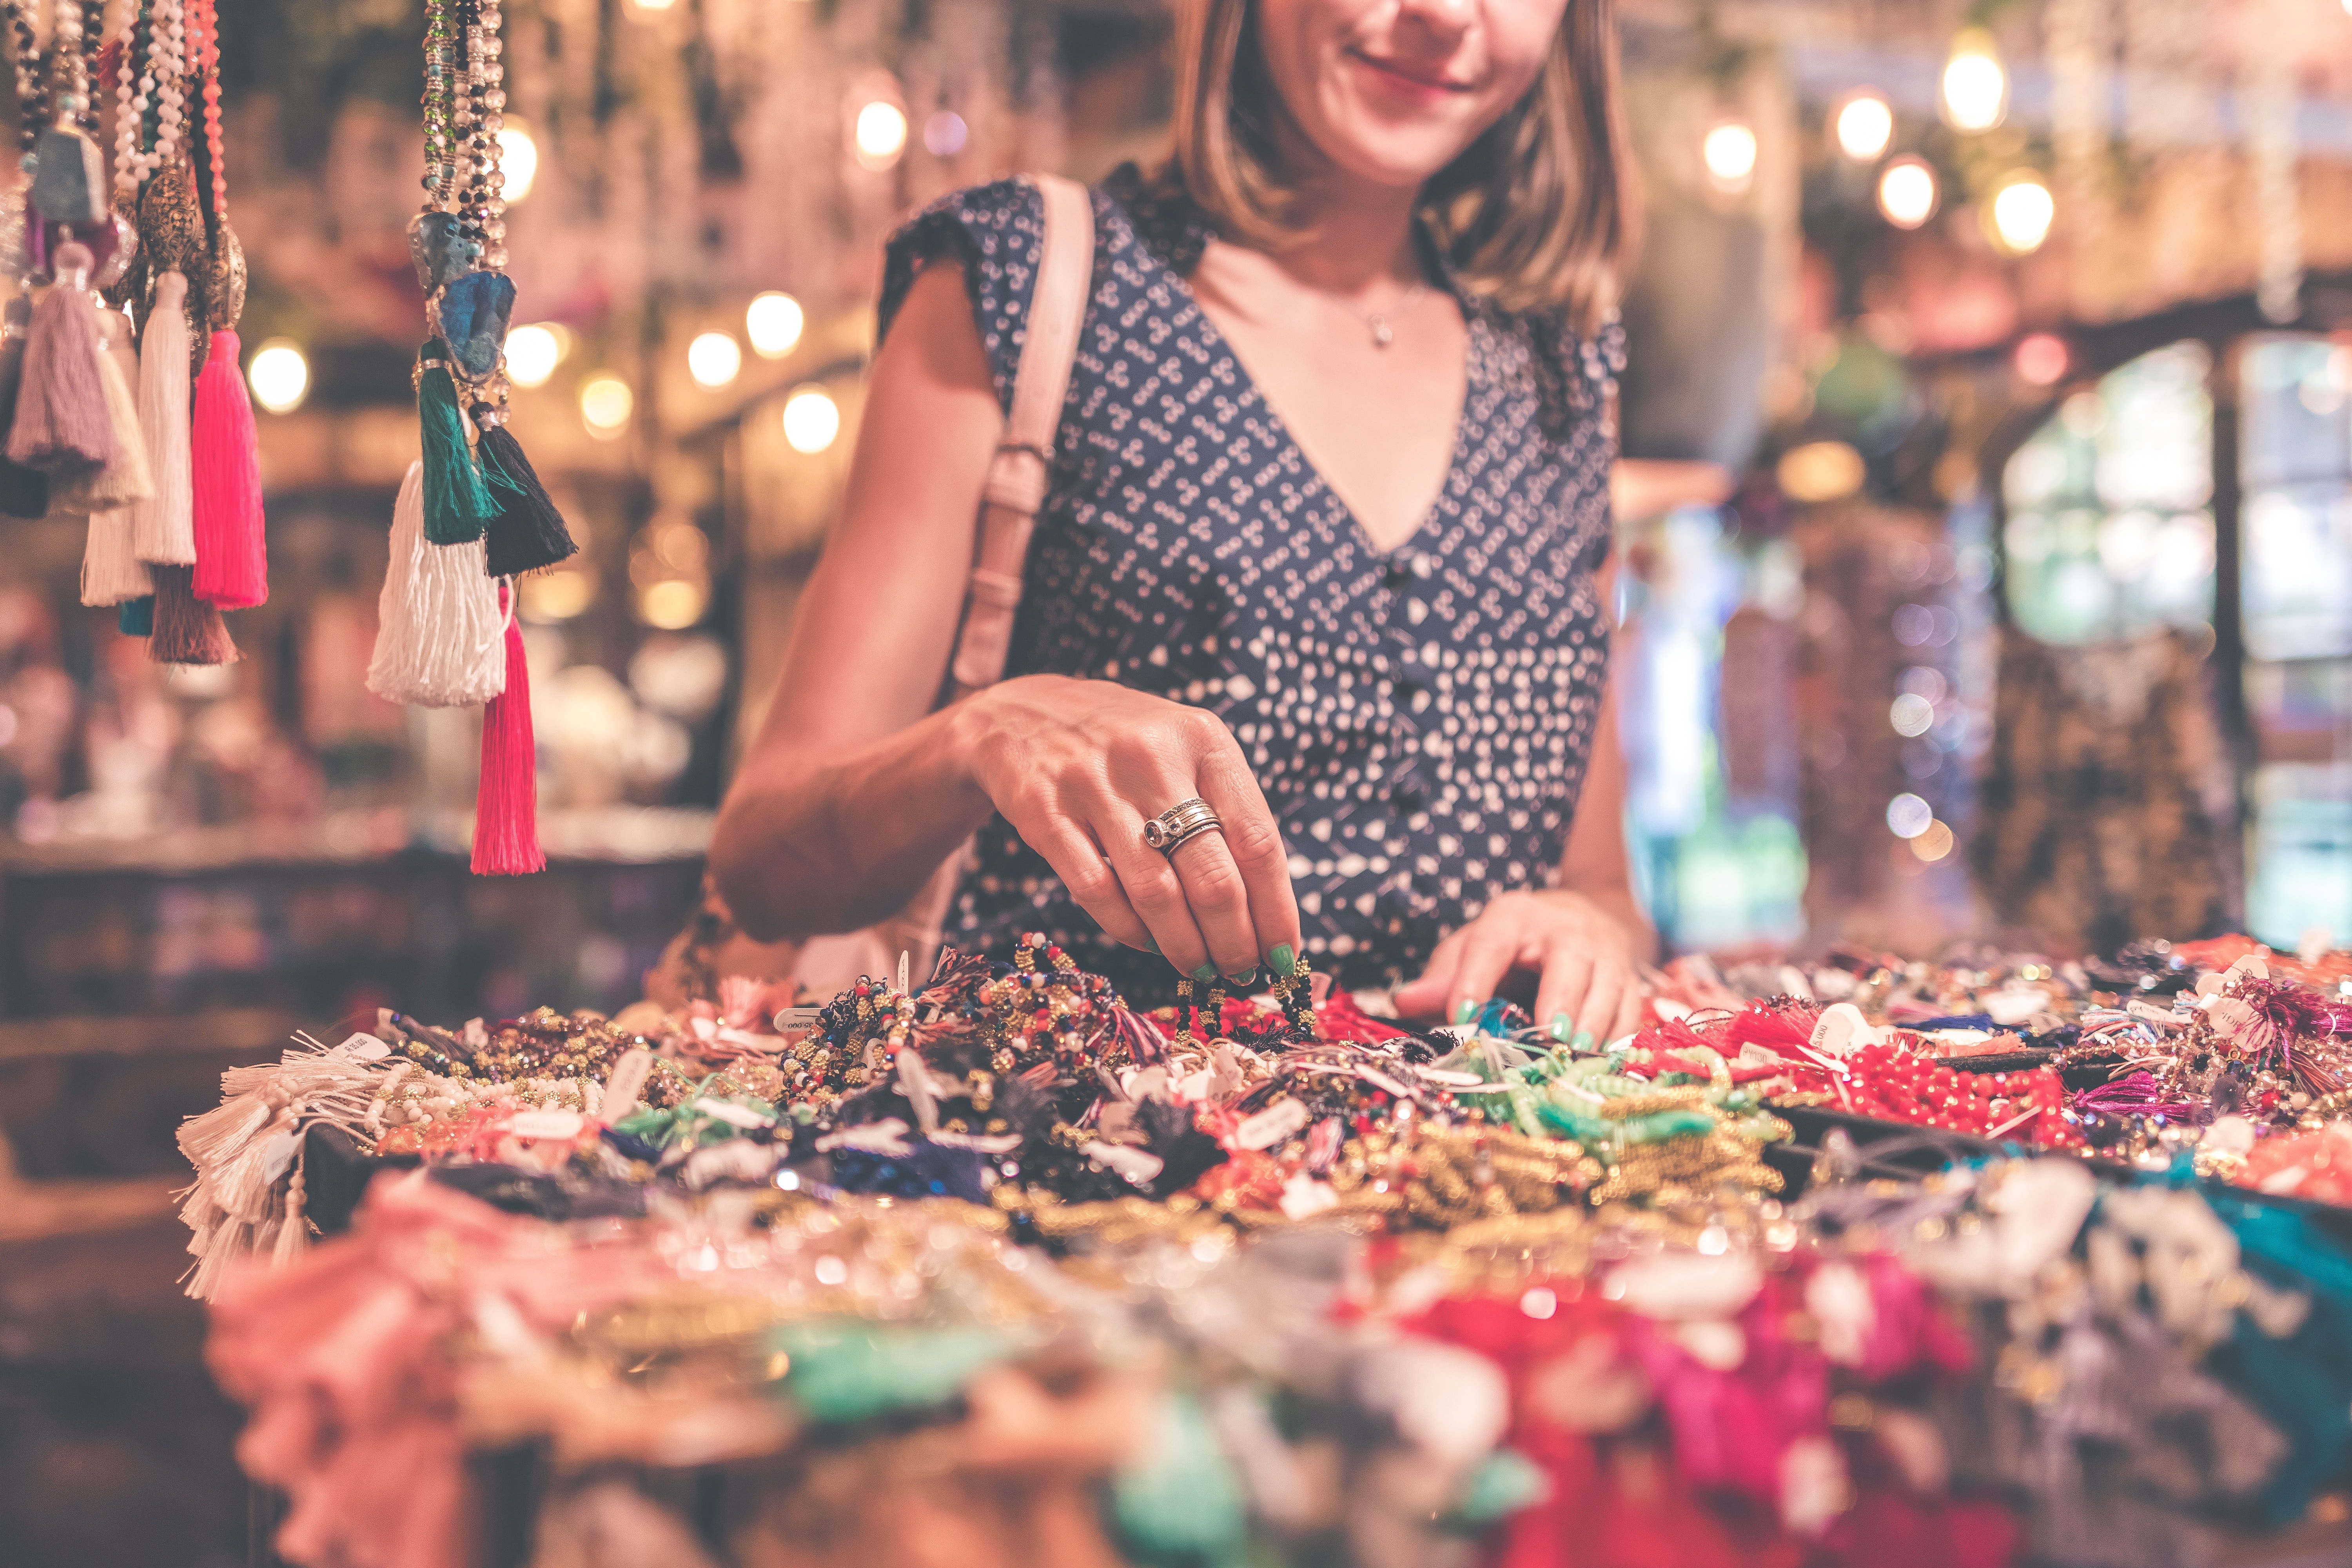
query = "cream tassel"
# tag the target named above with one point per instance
(440, 639)
(164, 527)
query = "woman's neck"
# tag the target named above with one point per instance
(1355, 234)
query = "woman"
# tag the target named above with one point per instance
(1326, 544)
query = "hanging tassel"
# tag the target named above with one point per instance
(505, 804)
(525, 533)
(112, 572)
(440, 635)
(186, 630)
(24, 492)
(231, 558)
(124, 481)
(137, 617)
(164, 526)
(62, 424)
(456, 503)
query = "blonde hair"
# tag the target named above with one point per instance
(1537, 214)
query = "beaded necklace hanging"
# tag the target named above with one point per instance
(472, 515)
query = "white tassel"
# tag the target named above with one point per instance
(112, 572)
(165, 528)
(440, 639)
(249, 1193)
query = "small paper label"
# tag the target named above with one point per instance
(366, 1049)
(1284, 1118)
(1137, 1166)
(560, 1124)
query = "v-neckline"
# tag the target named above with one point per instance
(1219, 342)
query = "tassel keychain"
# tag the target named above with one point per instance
(186, 630)
(164, 524)
(225, 460)
(457, 502)
(24, 492)
(506, 801)
(440, 629)
(112, 572)
(62, 424)
(526, 532)
(127, 479)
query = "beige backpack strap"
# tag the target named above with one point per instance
(1018, 474)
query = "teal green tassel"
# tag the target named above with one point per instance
(457, 502)
(136, 618)
(1181, 1500)
(839, 1370)
(1503, 1483)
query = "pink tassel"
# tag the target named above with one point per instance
(62, 424)
(506, 804)
(232, 561)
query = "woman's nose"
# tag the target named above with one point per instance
(1445, 17)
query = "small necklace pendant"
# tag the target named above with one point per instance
(1383, 334)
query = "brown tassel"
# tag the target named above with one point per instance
(187, 630)
(62, 425)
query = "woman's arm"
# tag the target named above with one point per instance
(851, 793)
(853, 790)
(1580, 939)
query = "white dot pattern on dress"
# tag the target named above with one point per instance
(1418, 719)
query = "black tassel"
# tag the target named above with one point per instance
(24, 492)
(525, 531)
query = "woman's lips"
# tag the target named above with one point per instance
(1415, 81)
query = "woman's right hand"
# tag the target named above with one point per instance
(1078, 766)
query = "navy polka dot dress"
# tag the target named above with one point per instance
(1419, 718)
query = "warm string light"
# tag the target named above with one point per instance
(1729, 153)
(1907, 193)
(1975, 86)
(714, 359)
(774, 321)
(2022, 211)
(279, 376)
(1863, 125)
(812, 420)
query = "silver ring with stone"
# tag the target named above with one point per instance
(1185, 819)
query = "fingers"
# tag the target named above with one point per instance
(1087, 872)
(1253, 844)
(1154, 888)
(1490, 950)
(1567, 982)
(1425, 997)
(1629, 1011)
(1603, 1000)
(1218, 901)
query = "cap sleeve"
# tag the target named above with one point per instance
(997, 233)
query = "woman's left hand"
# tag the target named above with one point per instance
(1582, 956)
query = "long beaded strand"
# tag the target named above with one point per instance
(25, 57)
(130, 108)
(436, 100)
(204, 23)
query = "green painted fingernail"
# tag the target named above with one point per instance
(1582, 1041)
(1283, 960)
(1246, 977)
(1465, 1010)
(1206, 975)
(1560, 1027)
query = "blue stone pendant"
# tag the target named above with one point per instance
(473, 314)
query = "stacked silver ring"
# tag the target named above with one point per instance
(1185, 819)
